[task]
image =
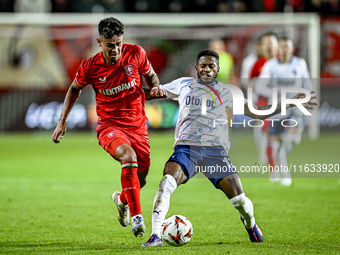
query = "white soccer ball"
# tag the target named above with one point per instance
(176, 230)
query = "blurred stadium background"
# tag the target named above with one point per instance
(39, 56)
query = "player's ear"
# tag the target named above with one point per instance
(99, 42)
(196, 68)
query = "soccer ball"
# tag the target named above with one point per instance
(176, 230)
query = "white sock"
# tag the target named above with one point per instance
(288, 142)
(261, 142)
(245, 207)
(161, 202)
(282, 161)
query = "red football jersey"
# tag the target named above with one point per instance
(119, 88)
(257, 67)
(255, 72)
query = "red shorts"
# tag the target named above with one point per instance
(139, 141)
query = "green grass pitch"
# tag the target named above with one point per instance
(55, 199)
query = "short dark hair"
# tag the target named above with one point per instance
(284, 38)
(207, 53)
(270, 33)
(110, 27)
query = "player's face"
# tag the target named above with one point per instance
(112, 48)
(269, 46)
(207, 69)
(285, 50)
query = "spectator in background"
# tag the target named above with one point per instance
(147, 5)
(323, 7)
(231, 6)
(60, 5)
(87, 6)
(41, 6)
(6, 5)
(113, 5)
(226, 60)
(266, 5)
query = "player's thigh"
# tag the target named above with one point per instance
(175, 169)
(216, 164)
(181, 164)
(116, 142)
(231, 185)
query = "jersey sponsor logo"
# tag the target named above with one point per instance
(128, 69)
(192, 100)
(102, 80)
(120, 88)
(111, 134)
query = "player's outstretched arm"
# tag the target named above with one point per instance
(308, 105)
(70, 99)
(155, 91)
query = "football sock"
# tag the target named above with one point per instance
(161, 202)
(288, 142)
(270, 155)
(261, 142)
(245, 207)
(282, 160)
(282, 156)
(122, 199)
(131, 187)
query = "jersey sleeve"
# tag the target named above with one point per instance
(172, 89)
(227, 97)
(262, 84)
(307, 83)
(144, 63)
(81, 79)
(266, 70)
(253, 70)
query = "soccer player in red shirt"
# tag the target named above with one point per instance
(115, 75)
(269, 46)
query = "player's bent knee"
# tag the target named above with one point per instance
(173, 169)
(125, 153)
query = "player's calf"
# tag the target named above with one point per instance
(245, 208)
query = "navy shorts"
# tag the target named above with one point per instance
(213, 162)
(275, 128)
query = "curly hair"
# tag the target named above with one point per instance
(110, 27)
(211, 53)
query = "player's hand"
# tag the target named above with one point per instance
(311, 103)
(60, 130)
(157, 92)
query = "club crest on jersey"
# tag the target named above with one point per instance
(102, 80)
(111, 134)
(128, 69)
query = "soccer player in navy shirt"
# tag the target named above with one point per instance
(200, 144)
